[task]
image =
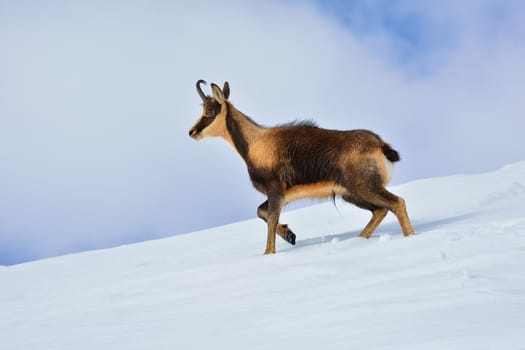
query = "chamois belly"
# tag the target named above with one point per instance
(314, 190)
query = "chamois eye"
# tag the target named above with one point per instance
(209, 112)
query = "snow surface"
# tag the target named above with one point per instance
(458, 284)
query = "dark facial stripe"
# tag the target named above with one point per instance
(236, 134)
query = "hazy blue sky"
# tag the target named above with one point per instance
(97, 97)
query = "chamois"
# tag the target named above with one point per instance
(300, 160)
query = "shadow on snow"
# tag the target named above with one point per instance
(392, 227)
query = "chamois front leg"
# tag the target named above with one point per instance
(282, 229)
(275, 204)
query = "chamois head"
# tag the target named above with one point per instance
(212, 119)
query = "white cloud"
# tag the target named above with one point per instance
(96, 100)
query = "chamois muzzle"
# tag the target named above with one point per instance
(194, 133)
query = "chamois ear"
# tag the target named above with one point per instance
(217, 93)
(226, 90)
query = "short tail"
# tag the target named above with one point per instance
(390, 153)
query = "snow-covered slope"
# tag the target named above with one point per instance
(458, 284)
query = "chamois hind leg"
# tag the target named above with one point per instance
(402, 216)
(378, 214)
(385, 199)
(282, 229)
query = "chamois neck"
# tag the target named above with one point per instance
(242, 130)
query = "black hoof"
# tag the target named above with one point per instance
(290, 237)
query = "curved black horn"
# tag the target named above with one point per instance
(199, 89)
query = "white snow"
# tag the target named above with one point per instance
(459, 283)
